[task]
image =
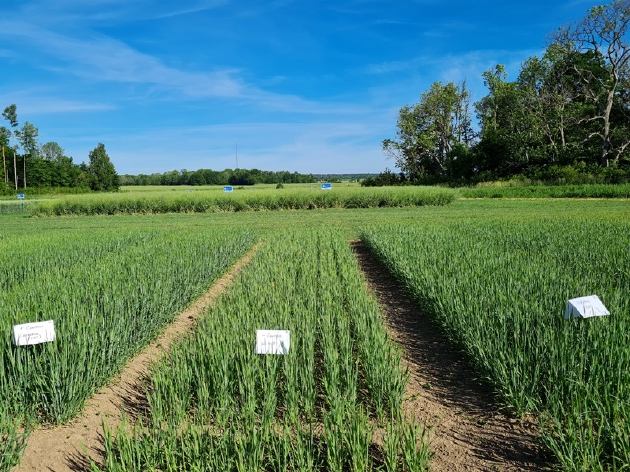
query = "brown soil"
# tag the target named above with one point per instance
(67, 447)
(468, 431)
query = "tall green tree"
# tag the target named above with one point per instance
(429, 131)
(548, 92)
(101, 171)
(27, 137)
(10, 114)
(506, 132)
(4, 142)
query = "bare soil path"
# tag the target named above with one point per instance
(469, 432)
(64, 448)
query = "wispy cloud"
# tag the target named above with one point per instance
(393, 66)
(105, 59)
(98, 58)
(48, 105)
(190, 8)
(113, 10)
(455, 67)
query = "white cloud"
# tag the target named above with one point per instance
(43, 101)
(98, 58)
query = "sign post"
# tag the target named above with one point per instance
(585, 307)
(34, 333)
(273, 341)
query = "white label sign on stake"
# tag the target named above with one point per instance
(269, 341)
(34, 333)
(585, 307)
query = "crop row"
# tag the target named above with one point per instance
(217, 405)
(14, 207)
(499, 291)
(548, 191)
(109, 294)
(242, 200)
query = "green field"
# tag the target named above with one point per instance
(495, 273)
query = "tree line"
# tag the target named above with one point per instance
(27, 164)
(213, 177)
(567, 114)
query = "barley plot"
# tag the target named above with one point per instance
(217, 405)
(254, 199)
(109, 294)
(499, 289)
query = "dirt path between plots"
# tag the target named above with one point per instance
(64, 448)
(468, 431)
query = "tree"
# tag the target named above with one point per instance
(547, 94)
(101, 172)
(600, 37)
(502, 149)
(429, 131)
(51, 151)
(4, 142)
(241, 177)
(10, 114)
(28, 140)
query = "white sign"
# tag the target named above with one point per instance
(272, 341)
(585, 307)
(326, 186)
(34, 333)
(227, 189)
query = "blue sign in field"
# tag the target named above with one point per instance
(326, 186)
(228, 189)
(21, 196)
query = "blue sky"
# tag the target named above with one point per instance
(308, 86)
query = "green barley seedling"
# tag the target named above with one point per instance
(415, 456)
(336, 451)
(357, 438)
(392, 446)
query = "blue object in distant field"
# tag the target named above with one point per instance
(227, 189)
(326, 186)
(21, 196)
